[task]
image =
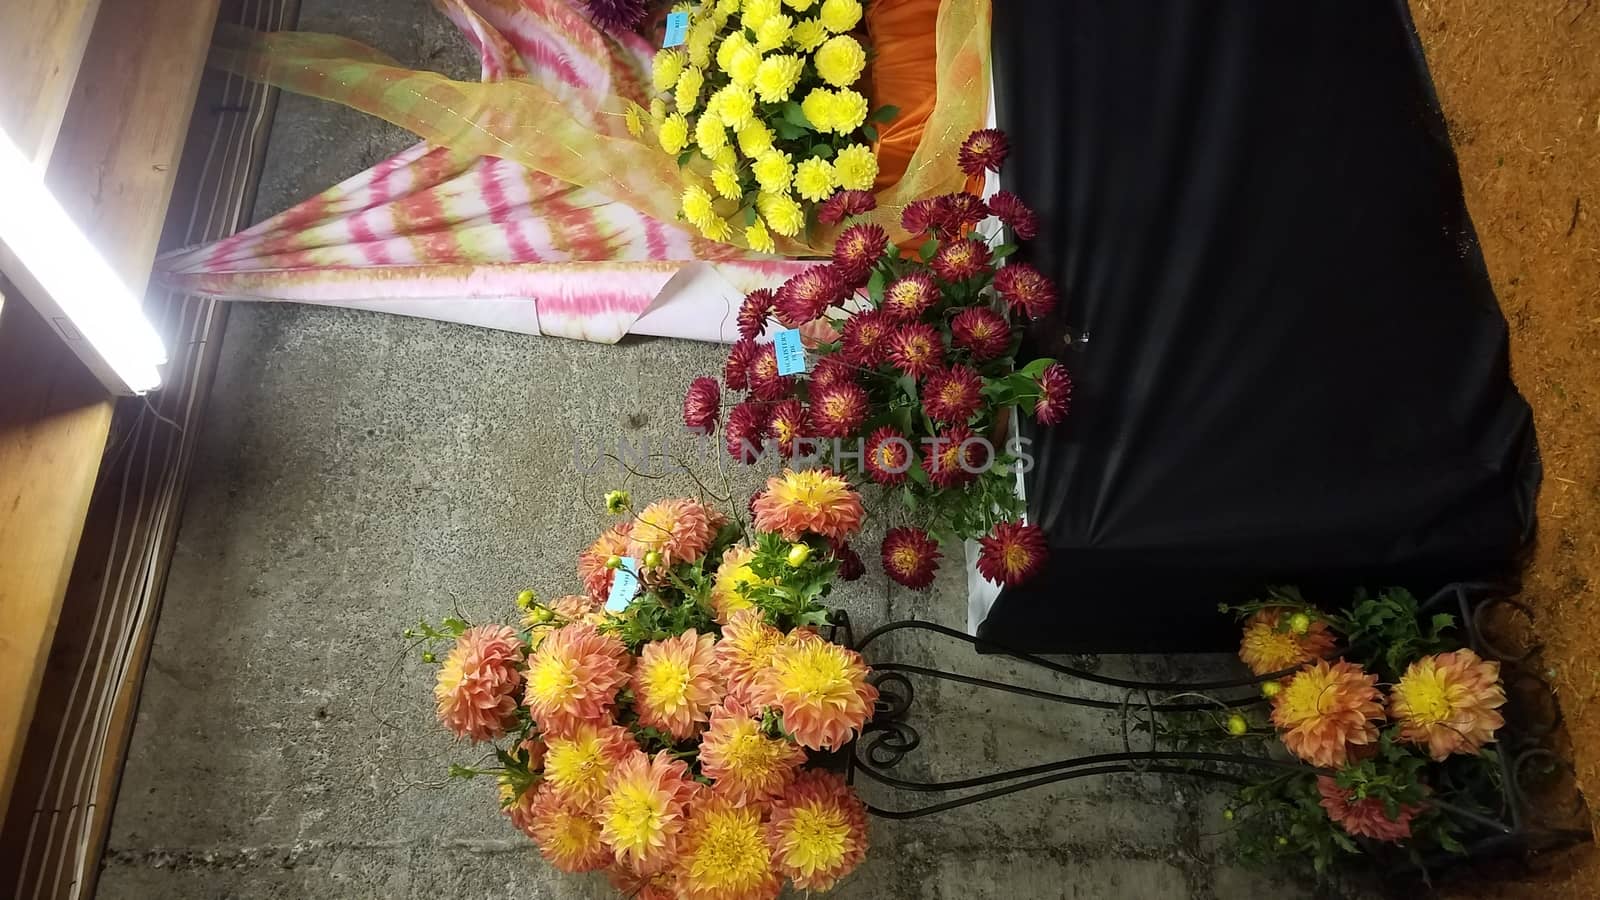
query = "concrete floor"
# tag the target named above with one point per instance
(361, 471)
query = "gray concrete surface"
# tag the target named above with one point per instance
(358, 472)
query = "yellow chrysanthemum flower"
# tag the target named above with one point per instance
(773, 33)
(757, 12)
(776, 77)
(808, 35)
(726, 180)
(755, 139)
(783, 215)
(674, 133)
(745, 66)
(666, 68)
(818, 109)
(709, 135)
(840, 60)
(727, 157)
(856, 167)
(840, 16)
(717, 229)
(799, 5)
(849, 111)
(814, 180)
(658, 111)
(687, 95)
(701, 34)
(728, 7)
(759, 239)
(633, 116)
(697, 206)
(773, 171)
(737, 107)
(730, 45)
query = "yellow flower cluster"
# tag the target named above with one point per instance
(730, 94)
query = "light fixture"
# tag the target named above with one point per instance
(48, 258)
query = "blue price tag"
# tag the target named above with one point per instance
(677, 29)
(791, 353)
(624, 584)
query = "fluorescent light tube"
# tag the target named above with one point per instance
(70, 273)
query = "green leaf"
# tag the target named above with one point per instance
(870, 133)
(794, 115)
(1036, 368)
(885, 113)
(454, 625)
(1003, 251)
(929, 249)
(788, 130)
(875, 286)
(821, 151)
(749, 215)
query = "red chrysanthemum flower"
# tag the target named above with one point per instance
(1055, 394)
(818, 831)
(909, 296)
(851, 567)
(910, 556)
(736, 372)
(982, 332)
(844, 204)
(955, 457)
(858, 248)
(921, 216)
(867, 337)
(952, 395)
(888, 456)
(808, 295)
(960, 211)
(985, 148)
(838, 411)
(702, 405)
(1025, 289)
(617, 16)
(746, 429)
(1016, 215)
(961, 259)
(916, 350)
(787, 428)
(753, 313)
(1012, 554)
(765, 382)
(830, 370)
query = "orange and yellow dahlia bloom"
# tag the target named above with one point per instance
(566, 837)
(745, 765)
(1365, 817)
(645, 809)
(821, 688)
(1269, 646)
(723, 853)
(655, 886)
(676, 683)
(574, 676)
(734, 577)
(681, 530)
(518, 809)
(818, 831)
(1325, 710)
(592, 562)
(814, 501)
(579, 764)
(1449, 703)
(475, 692)
(744, 653)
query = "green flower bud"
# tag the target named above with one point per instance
(428, 657)
(1299, 623)
(613, 562)
(617, 501)
(652, 559)
(1228, 814)
(798, 554)
(1271, 689)
(526, 599)
(1237, 726)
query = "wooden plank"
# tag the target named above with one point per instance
(41, 46)
(54, 417)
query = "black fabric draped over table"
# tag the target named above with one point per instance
(1290, 365)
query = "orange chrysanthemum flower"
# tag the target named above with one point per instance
(724, 855)
(592, 562)
(645, 809)
(1269, 646)
(579, 765)
(744, 653)
(632, 885)
(574, 677)
(569, 839)
(821, 688)
(734, 576)
(818, 831)
(575, 607)
(745, 765)
(476, 689)
(680, 530)
(814, 501)
(1449, 703)
(1325, 710)
(676, 683)
(1365, 817)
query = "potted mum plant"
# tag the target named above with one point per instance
(915, 371)
(669, 724)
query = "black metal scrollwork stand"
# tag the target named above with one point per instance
(1534, 802)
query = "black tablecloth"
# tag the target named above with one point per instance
(1291, 365)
